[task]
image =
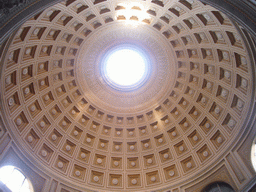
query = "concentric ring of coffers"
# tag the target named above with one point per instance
(160, 75)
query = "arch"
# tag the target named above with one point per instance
(253, 154)
(218, 187)
(13, 179)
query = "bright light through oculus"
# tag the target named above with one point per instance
(125, 67)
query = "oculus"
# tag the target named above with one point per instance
(125, 67)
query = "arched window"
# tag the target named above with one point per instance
(253, 155)
(14, 179)
(218, 187)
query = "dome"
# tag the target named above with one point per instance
(182, 124)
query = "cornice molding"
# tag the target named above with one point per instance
(13, 14)
(242, 11)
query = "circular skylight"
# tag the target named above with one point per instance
(125, 67)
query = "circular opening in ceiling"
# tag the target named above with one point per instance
(125, 67)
